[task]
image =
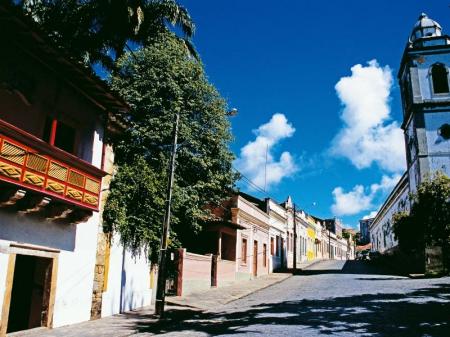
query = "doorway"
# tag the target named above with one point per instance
(30, 293)
(255, 258)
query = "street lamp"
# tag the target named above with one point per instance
(161, 283)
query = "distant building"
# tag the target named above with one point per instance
(334, 225)
(364, 230)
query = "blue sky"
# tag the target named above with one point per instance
(337, 150)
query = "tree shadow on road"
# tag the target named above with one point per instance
(352, 267)
(424, 312)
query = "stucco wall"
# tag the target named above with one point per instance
(226, 272)
(128, 284)
(75, 276)
(196, 273)
(77, 245)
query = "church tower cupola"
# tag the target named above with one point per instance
(425, 32)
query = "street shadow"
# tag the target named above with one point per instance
(423, 312)
(353, 267)
(397, 278)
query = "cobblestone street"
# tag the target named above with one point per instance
(330, 298)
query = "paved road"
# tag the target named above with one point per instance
(331, 298)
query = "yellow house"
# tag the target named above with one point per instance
(311, 234)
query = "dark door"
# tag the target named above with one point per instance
(255, 258)
(27, 307)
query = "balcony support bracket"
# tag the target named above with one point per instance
(9, 197)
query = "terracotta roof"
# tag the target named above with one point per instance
(365, 247)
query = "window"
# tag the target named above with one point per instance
(244, 251)
(264, 255)
(59, 134)
(278, 246)
(288, 241)
(440, 79)
(444, 131)
(272, 246)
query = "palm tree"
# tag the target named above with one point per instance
(100, 30)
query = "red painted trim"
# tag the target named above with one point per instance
(39, 146)
(53, 131)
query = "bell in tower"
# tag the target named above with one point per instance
(425, 88)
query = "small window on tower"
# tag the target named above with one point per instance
(440, 79)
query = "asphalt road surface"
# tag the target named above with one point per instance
(331, 298)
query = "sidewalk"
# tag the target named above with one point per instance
(210, 299)
(306, 264)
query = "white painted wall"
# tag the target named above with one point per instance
(76, 276)
(3, 270)
(77, 245)
(98, 144)
(381, 230)
(436, 144)
(128, 281)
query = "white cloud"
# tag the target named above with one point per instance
(360, 198)
(252, 159)
(351, 202)
(386, 185)
(366, 137)
(371, 215)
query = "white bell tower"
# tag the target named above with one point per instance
(425, 87)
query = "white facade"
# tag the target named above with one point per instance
(253, 245)
(129, 285)
(381, 229)
(277, 233)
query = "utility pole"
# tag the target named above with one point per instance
(161, 284)
(295, 239)
(265, 169)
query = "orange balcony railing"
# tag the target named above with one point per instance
(33, 164)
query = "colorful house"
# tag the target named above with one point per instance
(54, 118)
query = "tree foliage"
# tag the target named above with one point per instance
(428, 223)
(99, 31)
(158, 81)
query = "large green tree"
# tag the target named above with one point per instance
(100, 31)
(428, 222)
(159, 81)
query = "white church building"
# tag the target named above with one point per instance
(425, 89)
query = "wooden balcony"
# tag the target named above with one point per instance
(46, 174)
